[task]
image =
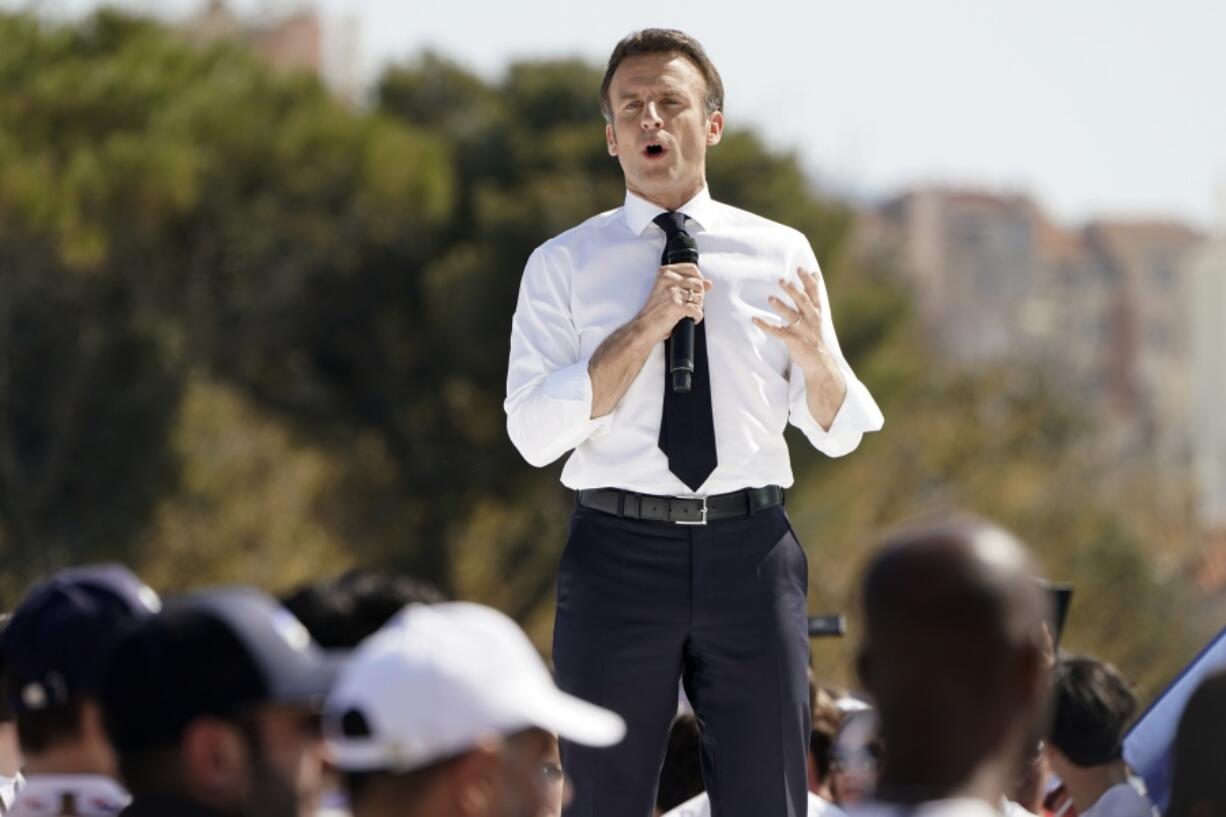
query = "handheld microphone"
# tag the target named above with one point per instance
(681, 249)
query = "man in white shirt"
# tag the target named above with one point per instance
(448, 711)
(954, 658)
(680, 560)
(1093, 706)
(54, 650)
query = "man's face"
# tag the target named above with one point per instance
(660, 130)
(525, 786)
(287, 774)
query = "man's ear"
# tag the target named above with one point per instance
(215, 762)
(94, 732)
(715, 129)
(474, 780)
(610, 139)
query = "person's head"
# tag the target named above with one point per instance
(341, 612)
(681, 774)
(826, 721)
(1092, 705)
(1198, 787)
(449, 710)
(662, 100)
(54, 649)
(855, 755)
(953, 654)
(216, 700)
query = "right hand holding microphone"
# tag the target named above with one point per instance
(677, 293)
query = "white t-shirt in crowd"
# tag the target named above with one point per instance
(1123, 800)
(9, 786)
(700, 806)
(953, 807)
(81, 795)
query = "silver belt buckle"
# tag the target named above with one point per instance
(702, 521)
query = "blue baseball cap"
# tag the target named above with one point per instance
(58, 638)
(219, 653)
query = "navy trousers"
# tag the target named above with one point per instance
(720, 607)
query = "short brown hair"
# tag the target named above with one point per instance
(663, 41)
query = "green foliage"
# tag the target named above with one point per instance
(250, 334)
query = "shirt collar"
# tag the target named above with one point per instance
(639, 212)
(94, 784)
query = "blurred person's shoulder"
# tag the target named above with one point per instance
(1013, 809)
(1127, 799)
(954, 807)
(79, 795)
(700, 806)
(821, 807)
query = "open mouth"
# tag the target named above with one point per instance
(654, 151)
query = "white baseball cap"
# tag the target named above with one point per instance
(437, 680)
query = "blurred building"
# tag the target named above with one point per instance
(1104, 309)
(1149, 360)
(294, 40)
(1206, 270)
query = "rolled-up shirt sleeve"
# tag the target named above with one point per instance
(549, 390)
(857, 415)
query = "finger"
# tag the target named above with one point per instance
(794, 292)
(694, 310)
(684, 296)
(686, 270)
(809, 279)
(803, 303)
(707, 283)
(812, 280)
(786, 312)
(770, 328)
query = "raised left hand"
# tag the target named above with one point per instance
(801, 330)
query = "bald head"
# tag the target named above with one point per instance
(953, 650)
(952, 581)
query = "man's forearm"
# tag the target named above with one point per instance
(615, 364)
(825, 389)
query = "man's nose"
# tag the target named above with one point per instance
(651, 118)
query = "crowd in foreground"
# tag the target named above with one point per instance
(371, 695)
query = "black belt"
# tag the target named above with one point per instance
(680, 510)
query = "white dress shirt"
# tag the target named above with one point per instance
(581, 286)
(700, 806)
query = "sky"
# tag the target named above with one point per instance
(1097, 108)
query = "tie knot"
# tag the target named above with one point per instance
(671, 223)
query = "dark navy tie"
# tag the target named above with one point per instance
(687, 428)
